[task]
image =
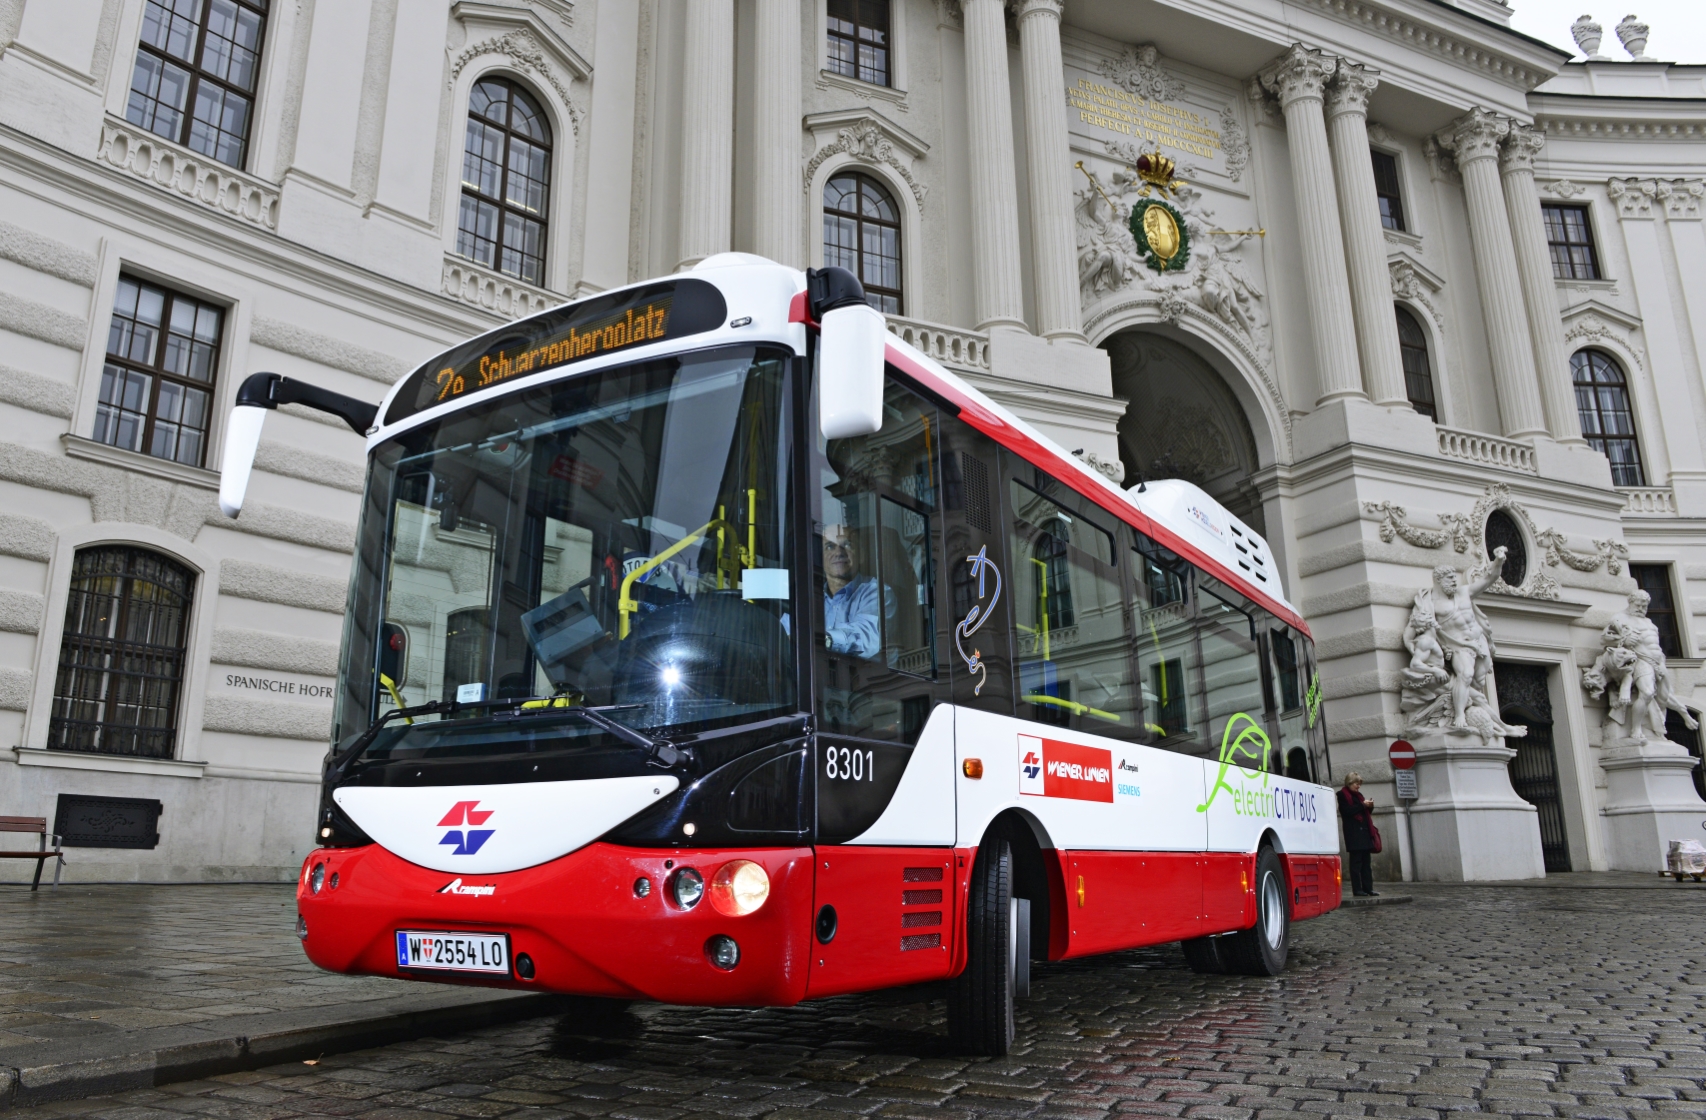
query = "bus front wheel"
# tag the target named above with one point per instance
(980, 1000)
(1261, 950)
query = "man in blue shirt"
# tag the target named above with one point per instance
(850, 599)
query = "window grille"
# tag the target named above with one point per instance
(1608, 419)
(861, 233)
(859, 40)
(121, 659)
(1570, 239)
(156, 392)
(1418, 371)
(196, 69)
(506, 181)
(1386, 189)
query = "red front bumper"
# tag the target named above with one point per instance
(578, 918)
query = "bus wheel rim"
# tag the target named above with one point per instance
(1273, 911)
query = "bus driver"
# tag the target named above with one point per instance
(850, 599)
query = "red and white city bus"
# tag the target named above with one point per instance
(708, 644)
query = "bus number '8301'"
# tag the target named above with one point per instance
(850, 765)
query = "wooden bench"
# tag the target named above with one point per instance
(37, 825)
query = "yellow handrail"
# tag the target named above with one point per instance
(625, 603)
(1072, 706)
(396, 697)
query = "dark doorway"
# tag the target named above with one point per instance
(1677, 732)
(1524, 699)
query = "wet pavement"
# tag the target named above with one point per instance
(1561, 999)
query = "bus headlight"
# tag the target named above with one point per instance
(317, 879)
(739, 887)
(686, 888)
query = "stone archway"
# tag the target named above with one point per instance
(1183, 422)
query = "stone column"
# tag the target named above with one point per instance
(707, 130)
(1475, 140)
(1365, 244)
(994, 189)
(1054, 247)
(1534, 268)
(777, 230)
(1299, 80)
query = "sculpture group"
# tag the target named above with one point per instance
(1451, 655)
(1631, 672)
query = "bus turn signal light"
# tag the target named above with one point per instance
(739, 887)
(972, 768)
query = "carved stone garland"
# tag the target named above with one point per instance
(1466, 531)
(524, 51)
(865, 142)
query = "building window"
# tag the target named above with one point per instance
(506, 179)
(859, 39)
(121, 659)
(861, 233)
(1570, 239)
(1386, 189)
(196, 68)
(1418, 373)
(1608, 422)
(1654, 579)
(157, 384)
(1502, 532)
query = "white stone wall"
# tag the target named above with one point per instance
(333, 251)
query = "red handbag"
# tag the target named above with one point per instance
(1374, 834)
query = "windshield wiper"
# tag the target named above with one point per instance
(659, 752)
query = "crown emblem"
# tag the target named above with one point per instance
(1156, 170)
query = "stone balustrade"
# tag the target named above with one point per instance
(493, 291)
(952, 346)
(1492, 451)
(1649, 501)
(175, 168)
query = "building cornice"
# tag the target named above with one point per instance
(1619, 118)
(1465, 44)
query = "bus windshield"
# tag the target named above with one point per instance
(617, 539)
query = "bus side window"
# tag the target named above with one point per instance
(1070, 618)
(1165, 647)
(981, 582)
(877, 637)
(1232, 676)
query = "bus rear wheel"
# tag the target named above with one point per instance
(980, 999)
(1261, 950)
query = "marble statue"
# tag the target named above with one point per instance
(1631, 672)
(1450, 643)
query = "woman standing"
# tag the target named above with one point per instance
(1357, 813)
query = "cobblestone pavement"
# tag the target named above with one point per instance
(82, 962)
(1543, 1001)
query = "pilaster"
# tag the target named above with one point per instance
(1540, 297)
(707, 131)
(1054, 249)
(1365, 244)
(778, 231)
(1299, 80)
(1475, 140)
(994, 189)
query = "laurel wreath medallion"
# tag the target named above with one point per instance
(1160, 233)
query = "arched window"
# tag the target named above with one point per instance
(861, 233)
(1608, 421)
(506, 178)
(1418, 373)
(121, 660)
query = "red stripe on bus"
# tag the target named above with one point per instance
(1027, 448)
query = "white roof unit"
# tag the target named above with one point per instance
(1204, 522)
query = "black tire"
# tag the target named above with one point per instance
(980, 1000)
(1203, 955)
(1261, 950)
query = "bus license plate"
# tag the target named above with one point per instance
(453, 951)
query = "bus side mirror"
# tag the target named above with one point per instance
(242, 437)
(852, 339)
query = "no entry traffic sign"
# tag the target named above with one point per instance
(1403, 755)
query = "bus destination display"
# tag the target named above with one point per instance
(602, 325)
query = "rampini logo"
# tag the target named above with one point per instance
(455, 887)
